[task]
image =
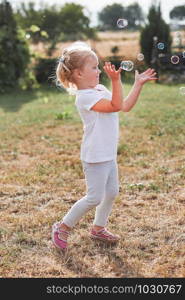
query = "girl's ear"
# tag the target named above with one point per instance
(77, 73)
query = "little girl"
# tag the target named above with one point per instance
(98, 109)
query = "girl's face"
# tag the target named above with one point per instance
(90, 73)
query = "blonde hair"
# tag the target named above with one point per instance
(73, 57)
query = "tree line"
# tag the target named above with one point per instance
(69, 22)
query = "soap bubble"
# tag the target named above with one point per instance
(182, 90)
(27, 36)
(127, 65)
(121, 23)
(174, 59)
(140, 56)
(177, 41)
(160, 46)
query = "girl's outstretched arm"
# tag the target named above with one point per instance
(140, 80)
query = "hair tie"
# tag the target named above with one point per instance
(61, 60)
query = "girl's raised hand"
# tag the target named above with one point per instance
(111, 71)
(148, 75)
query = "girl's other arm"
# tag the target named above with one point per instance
(140, 80)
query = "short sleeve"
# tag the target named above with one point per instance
(102, 87)
(88, 99)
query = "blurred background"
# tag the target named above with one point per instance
(34, 33)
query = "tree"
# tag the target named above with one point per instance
(14, 53)
(70, 24)
(27, 17)
(156, 27)
(75, 23)
(109, 15)
(178, 12)
(134, 15)
(57, 23)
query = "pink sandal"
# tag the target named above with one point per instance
(58, 241)
(104, 235)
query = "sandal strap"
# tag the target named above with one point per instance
(106, 232)
(58, 229)
(103, 230)
(63, 231)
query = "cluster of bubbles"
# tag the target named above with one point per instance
(177, 40)
(174, 59)
(128, 65)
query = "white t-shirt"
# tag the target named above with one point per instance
(101, 130)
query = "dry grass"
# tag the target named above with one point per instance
(41, 177)
(128, 44)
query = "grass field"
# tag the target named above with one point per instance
(41, 177)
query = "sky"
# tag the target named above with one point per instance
(95, 6)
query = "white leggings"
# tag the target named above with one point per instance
(102, 187)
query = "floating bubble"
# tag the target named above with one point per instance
(127, 65)
(121, 23)
(175, 59)
(183, 54)
(177, 41)
(182, 90)
(27, 36)
(155, 38)
(140, 56)
(160, 46)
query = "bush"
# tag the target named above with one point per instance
(14, 51)
(156, 27)
(45, 70)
